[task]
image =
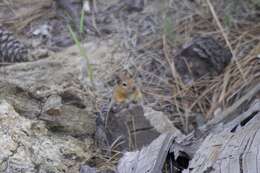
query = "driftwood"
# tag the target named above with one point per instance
(149, 159)
(87, 169)
(231, 147)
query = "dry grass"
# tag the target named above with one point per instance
(153, 38)
(19, 14)
(236, 29)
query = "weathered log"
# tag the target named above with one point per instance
(232, 147)
(149, 159)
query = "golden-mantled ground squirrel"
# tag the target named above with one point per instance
(125, 93)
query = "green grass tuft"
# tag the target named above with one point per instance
(82, 53)
(81, 26)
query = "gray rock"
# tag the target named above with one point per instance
(72, 121)
(132, 127)
(55, 90)
(87, 169)
(27, 146)
(203, 56)
(160, 121)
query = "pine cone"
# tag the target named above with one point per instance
(11, 50)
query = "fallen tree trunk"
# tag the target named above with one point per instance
(232, 148)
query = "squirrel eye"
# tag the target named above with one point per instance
(124, 84)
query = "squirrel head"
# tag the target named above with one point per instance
(126, 83)
(126, 88)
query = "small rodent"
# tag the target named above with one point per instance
(125, 93)
(126, 90)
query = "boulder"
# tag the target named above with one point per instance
(56, 90)
(27, 146)
(203, 56)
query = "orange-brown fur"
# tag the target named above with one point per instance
(126, 90)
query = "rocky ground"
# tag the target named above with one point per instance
(53, 109)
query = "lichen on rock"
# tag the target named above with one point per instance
(27, 146)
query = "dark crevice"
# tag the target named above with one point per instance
(183, 160)
(241, 156)
(176, 165)
(141, 129)
(233, 130)
(247, 119)
(244, 121)
(69, 98)
(241, 163)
